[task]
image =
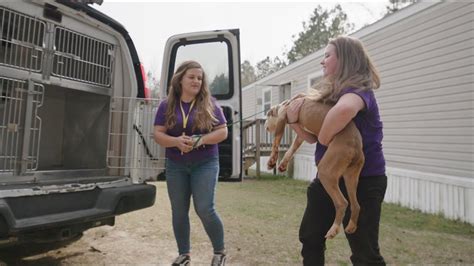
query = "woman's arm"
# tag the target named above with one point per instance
(305, 135)
(217, 135)
(339, 116)
(183, 143)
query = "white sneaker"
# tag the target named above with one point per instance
(182, 260)
(218, 260)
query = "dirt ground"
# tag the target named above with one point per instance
(142, 237)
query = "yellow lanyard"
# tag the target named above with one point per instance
(185, 117)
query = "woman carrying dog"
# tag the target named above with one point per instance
(189, 123)
(349, 78)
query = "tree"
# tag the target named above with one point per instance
(153, 84)
(219, 85)
(268, 66)
(321, 27)
(248, 73)
(396, 5)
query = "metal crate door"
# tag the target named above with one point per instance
(21, 40)
(20, 125)
(82, 58)
(131, 148)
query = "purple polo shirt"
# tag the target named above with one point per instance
(205, 151)
(370, 126)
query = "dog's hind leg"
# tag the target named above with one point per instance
(330, 169)
(351, 179)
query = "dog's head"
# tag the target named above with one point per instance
(272, 118)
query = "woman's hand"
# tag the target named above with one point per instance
(339, 116)
(184, 143)
(293, 110)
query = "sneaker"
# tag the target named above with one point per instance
(218, 259)
(182, 260)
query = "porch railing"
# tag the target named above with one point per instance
(257, 143)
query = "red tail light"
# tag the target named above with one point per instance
(145, 86)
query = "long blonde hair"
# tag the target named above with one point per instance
(355, 70)
(204, 108)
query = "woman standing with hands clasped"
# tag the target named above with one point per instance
(189, 123)
(349, 80)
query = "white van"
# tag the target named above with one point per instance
(76, 144)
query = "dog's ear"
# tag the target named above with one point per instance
(270, 112)
(273, 111)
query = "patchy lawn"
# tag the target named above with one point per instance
(261, 219)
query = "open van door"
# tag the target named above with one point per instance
(219, 54)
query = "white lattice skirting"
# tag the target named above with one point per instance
(304, 167)
(453, 197)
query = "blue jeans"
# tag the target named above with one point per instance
(198, 179)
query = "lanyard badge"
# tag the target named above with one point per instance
(185, 117)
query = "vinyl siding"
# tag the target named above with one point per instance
(426, 64)
(249, 102)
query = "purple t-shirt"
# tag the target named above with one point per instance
(202, 152)
(370, 126)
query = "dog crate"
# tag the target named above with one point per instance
(82, 58)
(60, 125)
(67, 119)
(20, 125)
(74, 129)
(21, 40)
(50, 128)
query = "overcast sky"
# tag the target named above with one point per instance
(266, 28)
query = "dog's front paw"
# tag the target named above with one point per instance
(270, 166)
(271, 163)
(282, 166)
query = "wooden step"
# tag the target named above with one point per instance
(248, 162)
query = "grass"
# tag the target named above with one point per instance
(262, 216)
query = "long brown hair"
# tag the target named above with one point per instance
(355, 69)
(204, 108)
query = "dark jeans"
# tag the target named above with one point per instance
(319, 216)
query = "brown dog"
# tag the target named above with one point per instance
(343, 157)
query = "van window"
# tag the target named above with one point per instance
(214, 58)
